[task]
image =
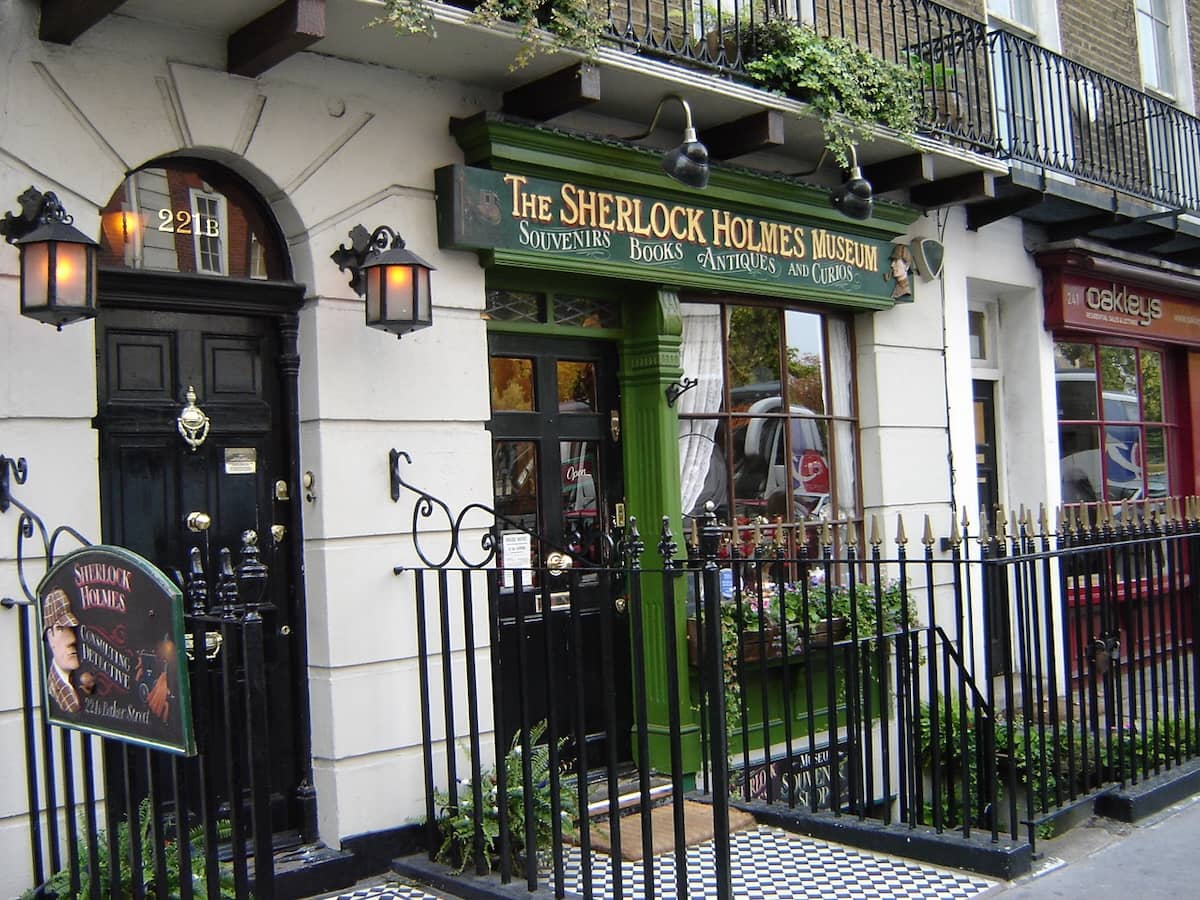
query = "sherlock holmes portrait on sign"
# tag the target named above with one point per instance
(112, 649)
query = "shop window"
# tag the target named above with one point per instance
(1113, 433)
(769, 433)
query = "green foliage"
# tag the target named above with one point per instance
(542, 25)
(60, 883)
(931, 74)
(457, 821)
(852, 89)
(947, 752)
(839, 600)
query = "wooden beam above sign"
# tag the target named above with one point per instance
(762, 130)
(290, 27)
(554, 94)
(905, 172)
(65, 20)
(957, 189)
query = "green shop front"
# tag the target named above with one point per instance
(655, 351)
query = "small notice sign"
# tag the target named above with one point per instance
(112, 649)
(516, 548)
(241, 460)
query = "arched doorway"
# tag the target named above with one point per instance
(196, 299)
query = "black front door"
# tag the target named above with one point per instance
(237, 476)
(564, 637)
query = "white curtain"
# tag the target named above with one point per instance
(841, 369)
(701, 359)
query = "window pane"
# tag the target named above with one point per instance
(976, 330)
(1123, 462)
(1158, 482)
(1152, 389)
(586, 312)
(1118, 373)
(845, 459)
(581, 515)
(512, 384)
(514, 472)
(805, 362)
(703, 467)
(576, 387)
(1079, 463)
(1075, 378)
(757, 468)
(515, 306)
(753, 354)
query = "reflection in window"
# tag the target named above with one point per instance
(185, 216)
(1154, 44)
(576, 387)
(1114, 442)
(512, 384)
(743, 449)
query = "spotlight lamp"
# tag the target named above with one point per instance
(687, 163)
(393, 279)
(854, 198)
(58, 261)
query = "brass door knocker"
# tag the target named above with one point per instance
(192, 422)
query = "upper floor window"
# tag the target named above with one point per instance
(1154, 45)
(1018, 11)
(209, 223)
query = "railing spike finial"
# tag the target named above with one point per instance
(966, 520)
(634, 545)
(851, 536)
(876, 527)
(985, 536)
(1043, 520)
(955, 536)
(667, 548)
(1001, 524)
(1061, 520)
(927, 537)
(901, 537)
(826, 534)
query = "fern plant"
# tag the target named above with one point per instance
(457, 822)
(59, 884)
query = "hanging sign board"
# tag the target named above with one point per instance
(112, 649)
(570, 227)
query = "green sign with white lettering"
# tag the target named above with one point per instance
(569, 227)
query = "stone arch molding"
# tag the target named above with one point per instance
(97, 122)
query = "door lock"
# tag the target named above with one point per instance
(620, 605)
(557, 561)
(198, 521)
(281, 490)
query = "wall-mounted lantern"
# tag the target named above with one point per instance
(58, 261)
(394, 280)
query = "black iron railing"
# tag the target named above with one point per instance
(946, 49)
(984, 690)
(165, 825)
(1055, 113)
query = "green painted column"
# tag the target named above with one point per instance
(650, 361)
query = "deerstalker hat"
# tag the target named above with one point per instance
(56, 609)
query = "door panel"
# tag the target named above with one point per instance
(151, 478)
(557, 474)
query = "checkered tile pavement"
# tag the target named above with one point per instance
(766, 864)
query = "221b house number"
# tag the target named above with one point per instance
(184, 221)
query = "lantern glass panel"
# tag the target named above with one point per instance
(70, 274)
(35, 274)
(399, 293)
(373, 295)
(424, 313)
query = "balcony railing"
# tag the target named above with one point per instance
(993, 93)
(1056, 113)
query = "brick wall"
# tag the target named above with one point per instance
(1102, 35)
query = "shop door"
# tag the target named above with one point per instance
(564, 636)
(151, 479)
(988, 480)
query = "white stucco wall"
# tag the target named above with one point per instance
(330, 145)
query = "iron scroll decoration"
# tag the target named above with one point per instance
(427, 504)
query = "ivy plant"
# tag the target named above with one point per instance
(543, 26)
(852, 90)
